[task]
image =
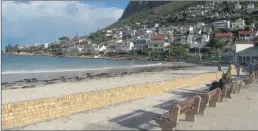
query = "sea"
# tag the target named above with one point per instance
(18, 63)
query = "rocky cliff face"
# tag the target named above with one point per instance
(138, 6)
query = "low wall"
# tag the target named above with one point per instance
(29, 112)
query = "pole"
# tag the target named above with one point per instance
(169, 51)
(200, 54)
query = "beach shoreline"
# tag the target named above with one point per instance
(56, 76)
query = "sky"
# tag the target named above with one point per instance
(45, 21)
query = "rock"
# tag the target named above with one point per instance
(4, 83)
(63, 79)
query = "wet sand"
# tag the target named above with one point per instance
(15, 80)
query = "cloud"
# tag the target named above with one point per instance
(45, 21)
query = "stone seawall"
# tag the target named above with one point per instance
(33, 111)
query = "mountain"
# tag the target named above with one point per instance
(138, 6)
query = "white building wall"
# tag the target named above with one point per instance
(240, 47)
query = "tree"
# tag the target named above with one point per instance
(224, 30)
(247, 28)
(216, 44)
(178, 50)
(6, 49)
(64, 38)
(9, 47)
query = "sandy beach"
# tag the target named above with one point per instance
(101, 83)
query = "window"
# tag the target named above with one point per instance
(254, 58)
(155, 45)
(240, 59)
(242, 35)
(248, 59)
(244, 60)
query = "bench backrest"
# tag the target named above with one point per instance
(213, 93)
(186, 105)
(210, 95)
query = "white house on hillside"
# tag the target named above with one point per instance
(238, 24)
(237, 6)
(250, 6)
(221, 24)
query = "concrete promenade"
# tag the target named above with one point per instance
(237, 113)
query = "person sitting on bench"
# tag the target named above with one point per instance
(223, 81)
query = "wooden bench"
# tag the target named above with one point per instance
(211, 97)
(189, 107)
(255, 74)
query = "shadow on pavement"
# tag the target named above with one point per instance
(166, 105)
(136, 119)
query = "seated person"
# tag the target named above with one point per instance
(223, 81)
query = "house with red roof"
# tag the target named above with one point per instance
(246, 35)
(158, 37)
(224, 36)
(157, 43)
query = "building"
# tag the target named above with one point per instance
(183, 39)
(186, 28)
(250, 6)
(224, 36)
(245, 35)
(189, 39)
(209, 6)
(221, 24)
(123, 47)
(205, 39)
(156, 46)
(237, 6)
(248, 55)
(238, 46)
(46, 45)
(197, 12)
(199, 25)
(143, 31)
(109, 33)
(141, 44)
(238, 24)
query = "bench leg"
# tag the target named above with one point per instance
(223, 93)
(239, 86)
(173, 120)
(234, 90)
(229, 92)
(191, 115)
(213, 102)
(167, 126)
(204, 104)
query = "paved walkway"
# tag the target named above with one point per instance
(237, 113)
